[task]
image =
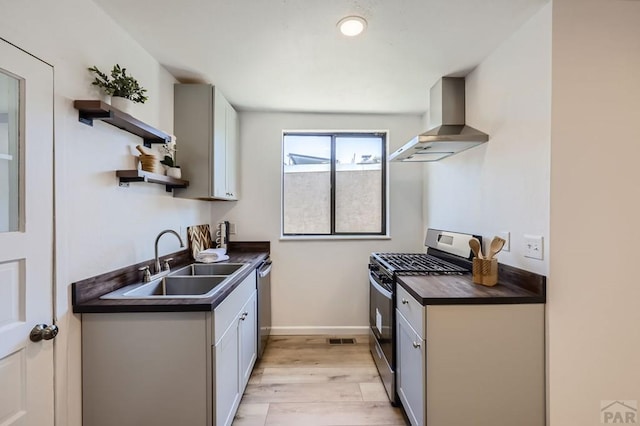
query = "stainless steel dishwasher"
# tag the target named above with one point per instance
(264, 304)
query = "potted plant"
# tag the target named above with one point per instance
(169, 161)
(123, 88)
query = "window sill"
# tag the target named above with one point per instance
(332, 237)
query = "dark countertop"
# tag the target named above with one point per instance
(514, 286)
(86, 294)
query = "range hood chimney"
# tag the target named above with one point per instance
(450, 135)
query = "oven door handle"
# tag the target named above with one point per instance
(386, 293)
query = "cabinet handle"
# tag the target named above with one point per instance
(244, 316)
(416, 345)
(404, 301)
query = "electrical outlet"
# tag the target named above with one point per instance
(533, 246)
(506, 236)
(232, 228)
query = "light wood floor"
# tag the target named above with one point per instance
(302, 380)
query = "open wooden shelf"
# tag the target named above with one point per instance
(143, 176)
(97, 110)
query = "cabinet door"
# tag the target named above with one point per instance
(232, 152)
(227, 386)
(411, 367)
(248, 340)
(219, 175)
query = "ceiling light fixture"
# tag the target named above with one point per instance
(352, 25)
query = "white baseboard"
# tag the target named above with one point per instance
(313, 330)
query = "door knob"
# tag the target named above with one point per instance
(43, 332)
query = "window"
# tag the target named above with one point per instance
(334, 184)
(10, 173)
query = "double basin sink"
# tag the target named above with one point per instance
(192, 281)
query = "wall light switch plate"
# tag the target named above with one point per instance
(533, 246)
(506, 236)
(232, 228)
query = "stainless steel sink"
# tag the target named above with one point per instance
(192, 281)
(178, 286)
(209, 269)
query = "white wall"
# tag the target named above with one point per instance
(502, 185)
(593, 309)
(101, 227)
(319, 285)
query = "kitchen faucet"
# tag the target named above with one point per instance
(171, 231)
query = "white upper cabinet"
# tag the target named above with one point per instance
(206, 129)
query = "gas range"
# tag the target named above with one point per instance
(386, 266)
(447, 253)
(416, 264)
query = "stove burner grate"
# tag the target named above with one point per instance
(419, 263)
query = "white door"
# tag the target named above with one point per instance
(26, 238)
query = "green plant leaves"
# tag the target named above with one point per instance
(168, 161)
(119, 84)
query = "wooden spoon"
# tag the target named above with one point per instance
(474, 243)
(496, 245)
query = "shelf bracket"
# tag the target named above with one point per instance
(87, 118)
(126, 176)
(149, 142)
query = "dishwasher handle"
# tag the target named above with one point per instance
(265, 269)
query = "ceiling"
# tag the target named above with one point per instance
(287, 55)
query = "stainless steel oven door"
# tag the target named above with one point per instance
(381, 334)
(381, 317)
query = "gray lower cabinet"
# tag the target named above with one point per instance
(248, 339)
(234, 357)
(169, 368)
(227, 385)
(470, 364)
(410, 382)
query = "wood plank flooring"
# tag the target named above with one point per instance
(302, 380)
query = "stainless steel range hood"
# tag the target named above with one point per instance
(450, 135)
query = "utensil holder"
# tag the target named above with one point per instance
(485, 271)
(150, 163)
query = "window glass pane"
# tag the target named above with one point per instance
(307, 184)
(359, 184)
(9, 161)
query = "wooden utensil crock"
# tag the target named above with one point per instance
(485, 271)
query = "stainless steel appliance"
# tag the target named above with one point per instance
(449, 134)
(447, 253)
(264, 305)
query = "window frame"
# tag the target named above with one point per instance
(384, 225)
